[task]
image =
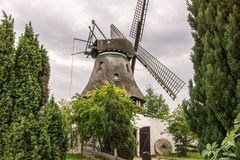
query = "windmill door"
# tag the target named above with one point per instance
(144, 140)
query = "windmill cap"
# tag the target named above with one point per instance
(117, 44)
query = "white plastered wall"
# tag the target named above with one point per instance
(157, 127)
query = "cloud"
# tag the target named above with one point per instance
(167, 36)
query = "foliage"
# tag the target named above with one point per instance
(26, 140)
(105, 117)
(7, 51)
(28, 131)
(54, 123)
(24, 128)
(44, 75)
(178, 128)
(227, 149)
(155, 105)
(214, 101)
(189, 156)
(66, 110)
(28, 96)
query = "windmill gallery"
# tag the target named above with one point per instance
(115, 60)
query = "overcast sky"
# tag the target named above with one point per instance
(167, 36)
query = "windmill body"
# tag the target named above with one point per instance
(115, 60)
(112, 64)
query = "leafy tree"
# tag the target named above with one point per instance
(228, 146)
(7, 58)
(155, 105)
(214, 100)
(178, 128)
(66, 110)
(106, 117)
(54, 124)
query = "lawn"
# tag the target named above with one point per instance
(190, 156)
(75, 157)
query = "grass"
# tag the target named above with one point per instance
(190, 156)
(75, 157)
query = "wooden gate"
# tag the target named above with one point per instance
(144, 140)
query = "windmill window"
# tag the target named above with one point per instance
(127, 67)
(116, 77)
(100, 66)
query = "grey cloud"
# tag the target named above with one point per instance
(167, 36)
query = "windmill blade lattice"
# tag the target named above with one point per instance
(166, 78)
(115, 33)
(171, 83)
(140, 15)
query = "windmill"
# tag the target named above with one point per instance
(115, 59)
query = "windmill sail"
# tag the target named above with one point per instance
(166, 78)
(170, 82)
(139, 16)
(115, 33)
(138, 26)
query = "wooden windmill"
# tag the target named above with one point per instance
(115, 59)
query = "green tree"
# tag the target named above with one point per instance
(54, 123)
(31, 140)
(26, 139)
(106, 117)
(28, 96)
(227, 149)
(214, 100)
(44, 75)
(155, 105)
(29, 126)
(178, 128)
(7, 58)
(66, 110)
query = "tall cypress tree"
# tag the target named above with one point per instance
(28, 97)
(214, 101)
(7, 37)
(44, 75)
(26, 137)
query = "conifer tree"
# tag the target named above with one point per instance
(214, 101)
(54, 124)
(27, 140)
(26, 137)
(28, 97)
(155, 105)
(30, 128)
(44, 75)
(178, 128)
(7, 38)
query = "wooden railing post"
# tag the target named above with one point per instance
(115, 153)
